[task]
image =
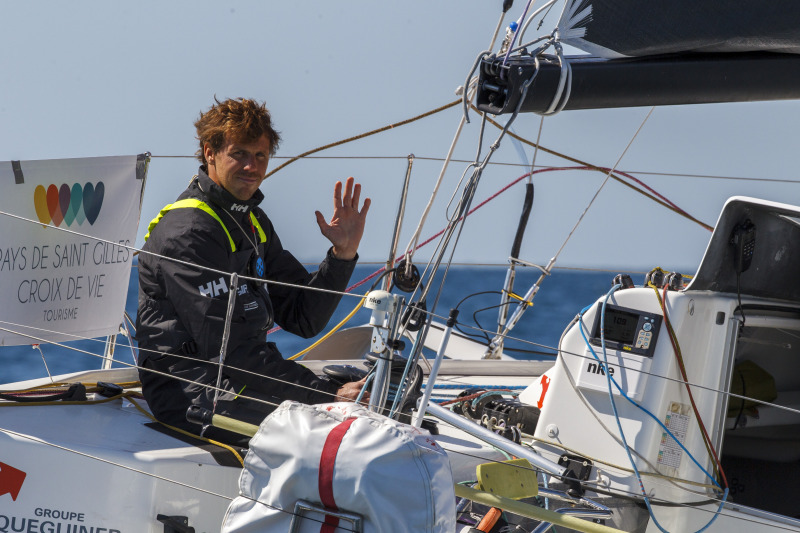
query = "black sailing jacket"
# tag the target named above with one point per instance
(182, 310)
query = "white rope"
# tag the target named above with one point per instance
(412, 245)
(536, 148)
(530, 19)
(596, 194)
(469, 93)
(47, 368)
(497, 30)
(564, 89)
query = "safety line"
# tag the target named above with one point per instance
(509, 164)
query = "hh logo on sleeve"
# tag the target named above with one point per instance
(214, 288)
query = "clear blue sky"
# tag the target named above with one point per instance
(112, 78)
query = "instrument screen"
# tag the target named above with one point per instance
(626, 330)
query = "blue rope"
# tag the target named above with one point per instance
(484, 395)
(610, 380)
(625, 395)
(365, 387)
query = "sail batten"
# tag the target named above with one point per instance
(631, 28)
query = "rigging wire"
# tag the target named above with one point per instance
(384, 129)
(610, 379)
(171, 376)
(497, 29)
(133, 248)
(464, 204)
(509, 164)
(508, 337)
(138, 250)
(602, 185)
(467, 92)
(463, 208)
(633, 369)
(38, 347)
(552, 152)
(610, 174)
(662, 302)
(447, 159)
(675, 481)
(455, 451)
(494, 346)
(179, 261)
(515, 33)
(547, 6)
(114, 463)
(364, 135)
(619, 493)
(538, 143)
(157, 476)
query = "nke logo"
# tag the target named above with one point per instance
(599, 368)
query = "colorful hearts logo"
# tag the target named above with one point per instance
(68, 204)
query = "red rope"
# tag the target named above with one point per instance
(473, 396)
(498, 193)
(679, 358)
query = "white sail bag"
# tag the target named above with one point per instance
(370, 473)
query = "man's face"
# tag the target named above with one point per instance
(239, 167)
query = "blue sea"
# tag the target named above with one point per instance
(561, 297)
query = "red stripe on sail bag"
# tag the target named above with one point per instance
(327, 461)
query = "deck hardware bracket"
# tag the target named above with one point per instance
(581, 466)
(301, 508)
(175, 524)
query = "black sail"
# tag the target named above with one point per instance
(655, 53)
(636, 28)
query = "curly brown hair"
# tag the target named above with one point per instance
(238, 120)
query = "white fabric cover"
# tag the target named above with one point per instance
(394, 475)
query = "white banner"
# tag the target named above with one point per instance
(64, 271)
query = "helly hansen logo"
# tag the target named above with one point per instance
(238, 207)
(214, 288)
